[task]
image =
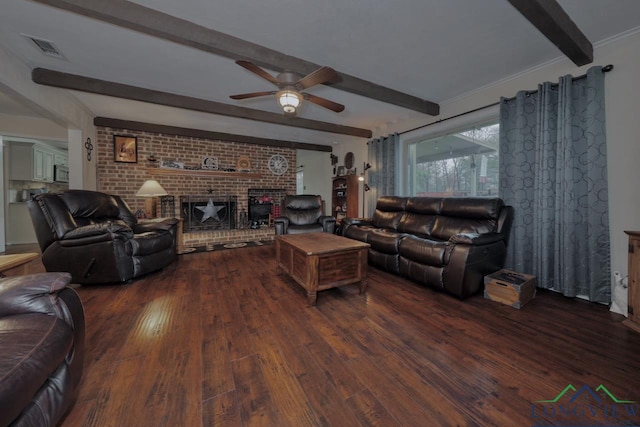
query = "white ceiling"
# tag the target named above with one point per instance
(433, 49)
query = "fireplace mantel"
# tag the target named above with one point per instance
(201, 172)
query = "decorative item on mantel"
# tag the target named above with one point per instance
(243, 164)
(210, 163)
(171, 164)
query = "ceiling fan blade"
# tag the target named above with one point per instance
(321, 75)
(323, 102)
(252, 95)
(258, 71)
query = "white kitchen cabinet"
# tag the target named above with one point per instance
(32, 162)
(42, 164)
(60, 159)
(21, 165)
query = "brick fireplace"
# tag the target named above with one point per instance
(229, 181)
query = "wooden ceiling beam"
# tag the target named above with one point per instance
(205, 134)
(103, 87)
(152, 22)
(552, 21)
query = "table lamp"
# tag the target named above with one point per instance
(150, 190)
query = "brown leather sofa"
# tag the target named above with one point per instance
(95, 237)
(445, 243)
(41, 348)
(303, 214)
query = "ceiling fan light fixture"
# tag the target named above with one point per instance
(289, 100)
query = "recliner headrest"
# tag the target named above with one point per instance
(90, 204)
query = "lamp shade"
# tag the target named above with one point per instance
(151, 188)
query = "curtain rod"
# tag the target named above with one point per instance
(605, 69)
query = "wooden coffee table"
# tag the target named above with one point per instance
(15, 265)
(319, 261)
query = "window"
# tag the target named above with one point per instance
(458, 164)
(300, 182)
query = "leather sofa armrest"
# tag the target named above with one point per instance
(328, 223)
(356, 221)
(475, 239)
(93, 233)
(33, 293)
(155, 224)
(281, 224)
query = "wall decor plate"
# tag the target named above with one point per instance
(243, 163)
(210, 163)
(348, 160)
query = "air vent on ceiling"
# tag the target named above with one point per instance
(46, 46)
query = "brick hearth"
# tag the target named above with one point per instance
(124, 179)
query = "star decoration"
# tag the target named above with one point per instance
(210, 211)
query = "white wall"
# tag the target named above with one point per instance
(55, 105)
(316, 166)
(622, 86)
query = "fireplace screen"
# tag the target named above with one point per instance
(203, 213)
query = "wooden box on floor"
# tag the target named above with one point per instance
(509, 287)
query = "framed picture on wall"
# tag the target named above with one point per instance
(125, 149)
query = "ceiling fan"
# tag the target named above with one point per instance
(290, 86)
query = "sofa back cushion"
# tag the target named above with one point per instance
(467, 215)
(420, 215)
(89, 207)
(302, 209)
(389, 212)
(51, 218)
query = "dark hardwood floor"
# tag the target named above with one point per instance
(218, 339)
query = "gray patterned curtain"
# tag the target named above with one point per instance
(553, 170)
(382, 175)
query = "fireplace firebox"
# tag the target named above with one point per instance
(208, 212)
(263, 203)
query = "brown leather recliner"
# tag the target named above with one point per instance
(95, 237)
(42, 334)
(303, 214)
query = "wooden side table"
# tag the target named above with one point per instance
(15, 265)
(633, 321)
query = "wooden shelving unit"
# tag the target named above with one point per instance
(633, 320)
(200, 172)
(344, 197)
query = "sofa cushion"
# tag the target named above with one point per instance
(302, 209)
(32, 346)
(385, 241)
(420, 215)
(472, 207)
(446, 226)
(424, 251)
(149, 243)
(467, 215)
(359, 232)
(87, 207)
(389, 211)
